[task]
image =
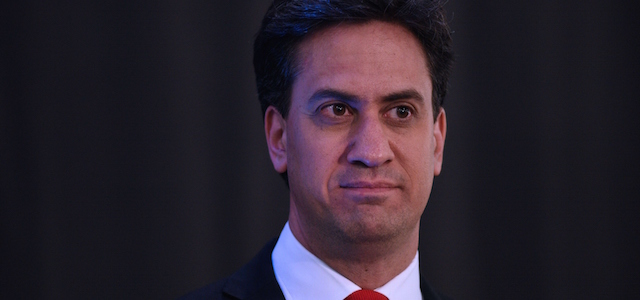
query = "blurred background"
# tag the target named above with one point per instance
(133, 163)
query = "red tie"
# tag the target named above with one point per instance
(366, 295)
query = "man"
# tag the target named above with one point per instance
(351, 93)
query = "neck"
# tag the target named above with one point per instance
(368, 264)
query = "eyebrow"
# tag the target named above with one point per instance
(333, 94)
(404, 94)
(347, 97)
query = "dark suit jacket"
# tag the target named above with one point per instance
(256, 280)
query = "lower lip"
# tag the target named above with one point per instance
(369, 188)
(369, 196)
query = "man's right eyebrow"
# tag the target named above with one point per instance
(332, 94)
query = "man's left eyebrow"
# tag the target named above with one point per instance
(402, 95)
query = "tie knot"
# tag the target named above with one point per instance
(366, 295)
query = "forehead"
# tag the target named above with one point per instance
(367, 59)
(341, 36)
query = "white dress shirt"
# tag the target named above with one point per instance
(301, 275)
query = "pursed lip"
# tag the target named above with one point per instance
(369, 186)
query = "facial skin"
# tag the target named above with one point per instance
(360, 144)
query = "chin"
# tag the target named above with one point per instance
(372, 230)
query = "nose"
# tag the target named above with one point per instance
(369, 145)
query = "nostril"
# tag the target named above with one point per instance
(360, 164)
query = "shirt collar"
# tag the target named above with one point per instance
(301, 275)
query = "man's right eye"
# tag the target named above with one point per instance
(339, 109)
(336, 109)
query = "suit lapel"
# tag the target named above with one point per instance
(428, 293)
(256, 280)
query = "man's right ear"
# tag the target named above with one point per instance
(275, 129)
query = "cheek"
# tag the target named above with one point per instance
(418, 162)
(312, 155)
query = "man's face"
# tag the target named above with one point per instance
(359, 143)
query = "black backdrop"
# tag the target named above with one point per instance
(133, 164)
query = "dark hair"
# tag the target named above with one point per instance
(288, 22)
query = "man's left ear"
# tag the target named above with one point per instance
(439, 134)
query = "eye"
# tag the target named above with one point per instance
(339, 109)
(400, 112)
(335, 110)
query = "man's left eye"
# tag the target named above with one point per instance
(401, 112)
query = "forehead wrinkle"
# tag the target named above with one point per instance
(308, 51)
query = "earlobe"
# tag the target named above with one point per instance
(439, 134)
(275, 131)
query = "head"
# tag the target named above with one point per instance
(288, 22)
(352, 94)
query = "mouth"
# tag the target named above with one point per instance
(369, 187)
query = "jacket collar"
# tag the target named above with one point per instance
(256, 280)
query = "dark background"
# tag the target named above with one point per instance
(133, 163)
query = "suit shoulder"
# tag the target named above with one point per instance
(211, 291)
(255, 280)
(429, 293)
